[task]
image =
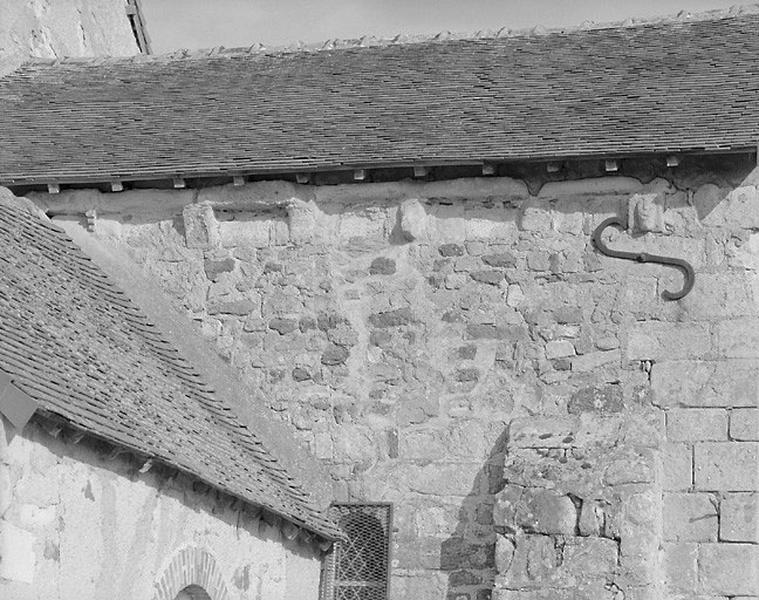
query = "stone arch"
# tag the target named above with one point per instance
(192, 574)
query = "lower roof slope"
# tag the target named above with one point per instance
(77, 345)
(652, 88)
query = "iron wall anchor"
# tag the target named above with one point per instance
(643, 257)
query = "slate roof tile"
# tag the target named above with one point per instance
(659, 87)
(74, 342)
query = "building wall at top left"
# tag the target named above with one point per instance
(61, 28)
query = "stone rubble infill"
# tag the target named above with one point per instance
(531, 430)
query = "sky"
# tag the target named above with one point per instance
(174, 24)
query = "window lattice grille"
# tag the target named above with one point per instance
(360, 564)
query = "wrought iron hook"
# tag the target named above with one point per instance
(643, 257)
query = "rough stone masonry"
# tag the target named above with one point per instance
(546, 425)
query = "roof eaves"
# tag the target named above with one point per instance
(194, 171)
(327, 531)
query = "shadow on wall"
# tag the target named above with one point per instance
(468, 555)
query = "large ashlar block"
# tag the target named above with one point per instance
(413, 220)
(596, 186)
(442, 479)
(677, 463)
(639, 557)
(32, 517)
(418, 553)
(419, 584)
(590, 556)
(738, 338)
(543, 432)
(546, 511)
(658, 340)
(559, 349)
(744, 424)
(449, 223)
(504, 553)
(694, 383)
(727, 466)
(302, 221)
(595, 360)
(696, 424)
(680, 566)
(368, 223)
(690, 517)
(16, 553)
(254, 231)
(436, 520)
(594, 591)
(536, 215)
(491, 224)
(729, 569)
(739, 518)
(717, 296)
(535, 563)
(201, 229)
(547, 565)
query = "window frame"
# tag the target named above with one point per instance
(330, 584)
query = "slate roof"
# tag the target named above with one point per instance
(653, 88)
(77, 345)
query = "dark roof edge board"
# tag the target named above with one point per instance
(175, 327)
(49, 420)
(93, 179)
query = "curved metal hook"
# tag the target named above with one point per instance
(643, 257)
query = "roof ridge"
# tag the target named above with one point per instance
(367, 41)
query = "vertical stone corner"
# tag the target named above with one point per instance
(580, 511)
(200, 226)
(301, 221)
(412, 220)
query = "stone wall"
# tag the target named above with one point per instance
(580, 514)
(60, 28)
(543, 421)
(75, 523)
